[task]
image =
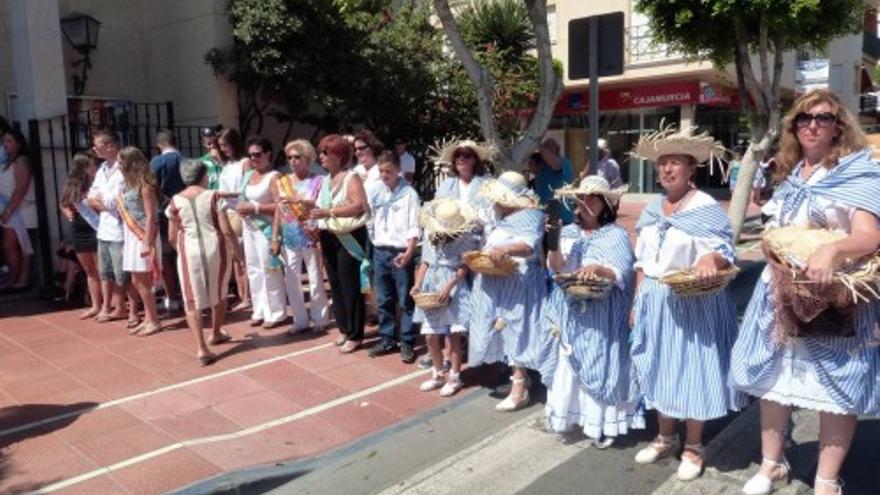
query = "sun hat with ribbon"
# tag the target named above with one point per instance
(447, 216)
(510, 189)
(668, 141)
(592, 184)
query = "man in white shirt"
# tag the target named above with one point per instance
(395, 217)
(407, 161)
(107, 186)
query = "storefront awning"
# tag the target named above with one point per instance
(650, 95)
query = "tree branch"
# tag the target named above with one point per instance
(478, 74)
(744, 64)
(551, 85)
(778, 63)
(762, 57)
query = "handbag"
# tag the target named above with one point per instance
(340, 225)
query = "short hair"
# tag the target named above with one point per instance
(192, 171)
(166, 137)
(109, 135)
(304, 148)
(335, 144)
(260, 141)
(388, 156)
(370, 139)
(232, 138)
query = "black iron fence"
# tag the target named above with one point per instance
(54, 141)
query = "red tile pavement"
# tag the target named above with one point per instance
(153, 395)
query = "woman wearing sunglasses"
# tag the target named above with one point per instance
(830, 182)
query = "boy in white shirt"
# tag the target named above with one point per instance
(395, 233)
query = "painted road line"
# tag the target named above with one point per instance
(505, 462)
(149, 393)
(227, 436)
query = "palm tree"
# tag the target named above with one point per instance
(501, 25)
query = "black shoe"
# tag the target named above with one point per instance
(407, 353)
(381, 348)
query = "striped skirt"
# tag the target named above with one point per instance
(832, 374)
(506, 318)
(681, 352)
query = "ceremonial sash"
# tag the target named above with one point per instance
(349, 242)
(92, 217)
(140, 232)
(261, 223)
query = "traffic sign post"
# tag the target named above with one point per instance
(585, 34)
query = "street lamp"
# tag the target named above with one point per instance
(81, 31)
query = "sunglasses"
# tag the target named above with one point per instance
(256, 155)
(294, 156)
(466, 154)
(360, 148)
(824, 119)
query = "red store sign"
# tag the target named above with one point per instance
(655, 95)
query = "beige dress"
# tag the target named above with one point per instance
(203, 263)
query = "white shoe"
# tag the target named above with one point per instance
(510, 404)
(453, 384)
(689, 470)
(662, 446)
(438, 379)
(762, 485)
(837, 484)
(603, 443)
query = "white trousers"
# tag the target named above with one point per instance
(294, 259)
(267, 287)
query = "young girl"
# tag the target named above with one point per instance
(451, 230)
(85, 224)
(141, 251)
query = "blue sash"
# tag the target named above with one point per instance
(91, 216)
(854, 181)
(262, 224)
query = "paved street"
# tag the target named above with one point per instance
(86, 408)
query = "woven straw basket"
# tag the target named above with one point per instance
(429, 300)
(686, 283)
(792, 247)
(591, 288)
(481, 263)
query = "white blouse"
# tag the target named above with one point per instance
(680, 250)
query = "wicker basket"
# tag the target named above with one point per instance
(686, 283)
(792, 247)
(590, 288)
(480, 262)
(429, 300)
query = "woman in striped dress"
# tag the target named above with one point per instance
(450, 230)
(587, 365)
(200, 233)
(506, 319)
(833, 184)
(681, 345)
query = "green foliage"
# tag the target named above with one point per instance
(700, 28)
(500, 25)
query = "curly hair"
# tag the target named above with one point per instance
(849, 139)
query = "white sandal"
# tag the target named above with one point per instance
(660, 447)
(837, 484)
(760, 484)
(509, 404)
(452, 386)
(438, 379)
(689, 470)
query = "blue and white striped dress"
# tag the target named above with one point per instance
(512, 302)
(587, 366)
(681, 345)
(452, 187)
(831, 374)
(443, 260)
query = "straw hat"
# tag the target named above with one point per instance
(485, 151)
(509, 189)
(593, 184)
(667, 141)
(447, 216)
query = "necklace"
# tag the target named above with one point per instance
(681, 202)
